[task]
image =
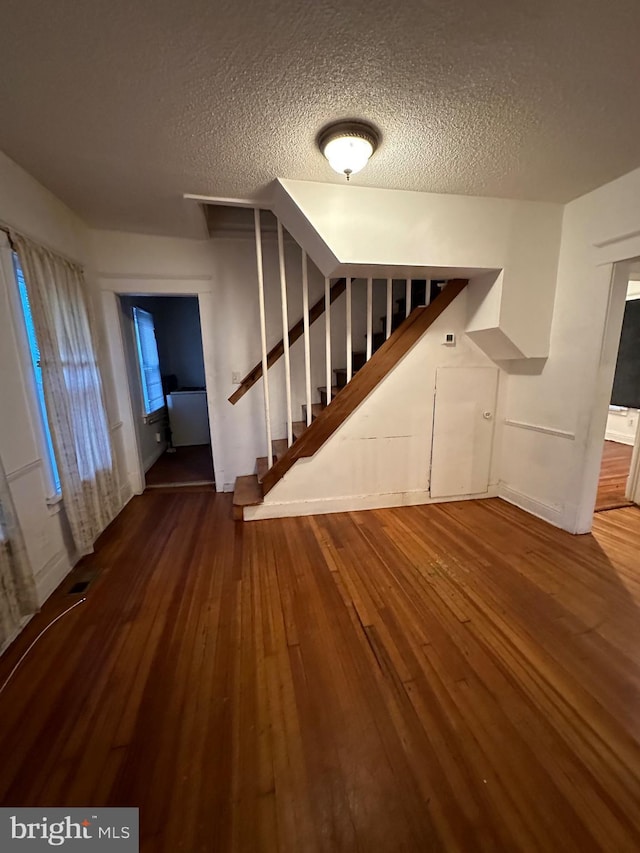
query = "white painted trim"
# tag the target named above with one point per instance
(369, 317)
(327, 337)
(559, 433)
(263, 333)
(619, 437)
(285, 333)
(349, 324)
(353, 503)
(305, 323)
(126, 276)
(129, 286)
(225, 202)
(23, 470)
(547, 512)
(578, 517)
(48, 577)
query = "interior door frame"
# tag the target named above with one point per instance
(620, 275)
(111, 288)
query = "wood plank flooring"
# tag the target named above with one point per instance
(452, 677)
(614, 473)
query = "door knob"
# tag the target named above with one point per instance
(487, 416)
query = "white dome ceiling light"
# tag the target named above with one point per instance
(348, 145)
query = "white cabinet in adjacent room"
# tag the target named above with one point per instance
(188, 418)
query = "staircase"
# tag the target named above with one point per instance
(326, 417)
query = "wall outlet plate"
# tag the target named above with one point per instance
(449, 339)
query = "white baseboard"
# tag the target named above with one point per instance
(352, 503)
(547, 512)
(619, 437)
(52, 574)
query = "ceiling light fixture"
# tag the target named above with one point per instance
(348, 145)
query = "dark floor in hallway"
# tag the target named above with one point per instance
(186, 465)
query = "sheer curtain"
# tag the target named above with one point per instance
(72, 389)
(17, 589)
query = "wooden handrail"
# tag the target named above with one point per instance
(295, 332)
(364, 381)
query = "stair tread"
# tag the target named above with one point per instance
(334, 389)
(247, 491)
(298, 428)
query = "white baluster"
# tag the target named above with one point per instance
(263, 334)
(327, 332)
(407, 300)
(427, 292)
(369, 317)
(389, 305)
(349, 345)
(285, 332)
(307, 353)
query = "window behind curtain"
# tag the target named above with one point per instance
(34, 351)
(149, 362)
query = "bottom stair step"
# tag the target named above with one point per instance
(247, 492)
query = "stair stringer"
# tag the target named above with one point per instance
(379, 456)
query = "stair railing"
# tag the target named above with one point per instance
(302, 329)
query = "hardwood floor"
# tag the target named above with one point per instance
(458, 676)
(614, 473)
(187, 465)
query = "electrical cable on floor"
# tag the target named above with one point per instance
(44, 630)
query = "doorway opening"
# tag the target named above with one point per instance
(615, 487)
(165, 372)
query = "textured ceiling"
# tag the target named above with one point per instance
(121, 106)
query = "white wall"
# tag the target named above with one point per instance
(31, 209)
(381, 455)
(351, 227)
(559, 408)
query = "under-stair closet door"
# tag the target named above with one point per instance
(463, 425)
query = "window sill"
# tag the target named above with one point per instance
(154, 417)
(54, 504)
